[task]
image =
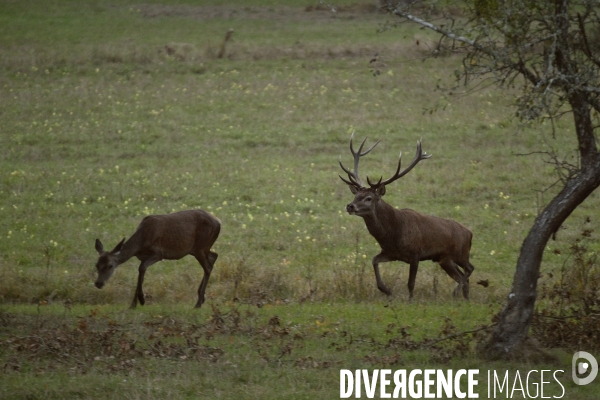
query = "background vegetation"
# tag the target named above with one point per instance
(113, 111)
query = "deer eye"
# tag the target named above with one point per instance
(368, 198)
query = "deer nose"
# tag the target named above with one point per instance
(99, 285)
(350, 208)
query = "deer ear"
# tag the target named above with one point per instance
(353, 189)
(118, 247)
(99, 247)
(380, 190)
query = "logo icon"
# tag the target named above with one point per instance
(581, 368)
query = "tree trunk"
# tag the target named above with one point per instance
(557, 70)
(509, 339)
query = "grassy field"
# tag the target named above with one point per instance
(115, 110)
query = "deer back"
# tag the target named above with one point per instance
(175, 235)
(429, 237)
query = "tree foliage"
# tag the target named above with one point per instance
(552, 45)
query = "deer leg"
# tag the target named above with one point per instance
(139, 293)
(468, 272)
(207, 261)
(212, 257)
(465, 289)
(376, 260)
(412, 276)
(453, 272)
(468, 268)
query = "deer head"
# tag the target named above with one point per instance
(367, 198)
(107, 262)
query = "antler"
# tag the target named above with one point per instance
(420, 155)
(354, 179)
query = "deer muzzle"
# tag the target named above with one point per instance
(99, 284)
(351, 208)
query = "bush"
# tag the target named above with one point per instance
(568, 313)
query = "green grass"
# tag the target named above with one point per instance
(101, 125)
(233, 351)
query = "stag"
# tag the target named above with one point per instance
(163, 237)
(406, 235)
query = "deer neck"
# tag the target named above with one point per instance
(379, 222)
(129, 249)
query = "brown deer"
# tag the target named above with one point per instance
(406, 235)
(164, 237)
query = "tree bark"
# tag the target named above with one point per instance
(509, 339)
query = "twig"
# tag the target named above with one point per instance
(228, 35)
(455, 335)
(567, 316)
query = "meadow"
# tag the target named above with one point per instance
(112, 111)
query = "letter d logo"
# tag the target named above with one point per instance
(581, 368)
